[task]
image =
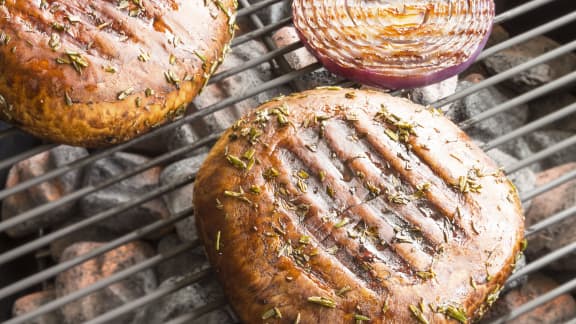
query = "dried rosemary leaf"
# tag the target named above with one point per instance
(125, 93)
(454, 312)
(342, 291)
(361, 318)
(270, 173)
(426, 275)
(297, 320)
(236, 162)
(418, 314)
(322, 301)
(272, 312)
(218, 234)
(303, 174)
(67, 99)
(342, 223)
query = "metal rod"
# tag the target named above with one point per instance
(261, 31)
(516, 101)
(540, 300)
(73, 196)
(530, 127)
(255, 62)
(550, 185)
(522, 9)
(543, 261)
(562, 50)
(146, 264)
(63, 266)
(541, 155)
(255, 7)
(147, 299)
(48, 238)
(187, 318)
(549, 221)
(540, 30)
(6, 163)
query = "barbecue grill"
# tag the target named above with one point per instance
(33, 252)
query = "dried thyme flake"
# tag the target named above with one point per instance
(393, 136)
(218, 234)
(342, 223)
(398, 198)
(330, 191)
(148, 92)
(322, 301)
(143, 56)
(418, 314)
(270, 173)
(350, 95)
(67, 99)
(171, 78)
(172, 59)
(238, 195)
(54, 41)
(255, 189)
(110, 69)
(342, 291)
(302, 186)
(426, 275)
(473, 283)
(297, 320)
(523, 245)
(125, 93)
(272, 312)
(236, 162)
(421, 189)
(457, 313)
(374, 190)
(219, 204)
(322, 175)
(361, 318)
(303, 174)
(493, 296)
(249, 154)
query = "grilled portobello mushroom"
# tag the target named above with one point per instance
(96, 73)
(340, 205)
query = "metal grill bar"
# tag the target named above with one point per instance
(38, 211)
(6, 163)
(542, 29)
(45, 240)
(554, 219)
(523, 98)
(159, 293)
(542, 154)
(562, 50)
(63, 266)
(550, 185)
(552, 294)
(543, 261)
(520, 10)
(530, 127)
(198, 312)
(118, 276)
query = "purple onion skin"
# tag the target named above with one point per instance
(375, 78)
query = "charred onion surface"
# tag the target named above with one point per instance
(394, 43)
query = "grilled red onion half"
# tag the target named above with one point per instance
(394, 43)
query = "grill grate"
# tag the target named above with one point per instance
(285, 77)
